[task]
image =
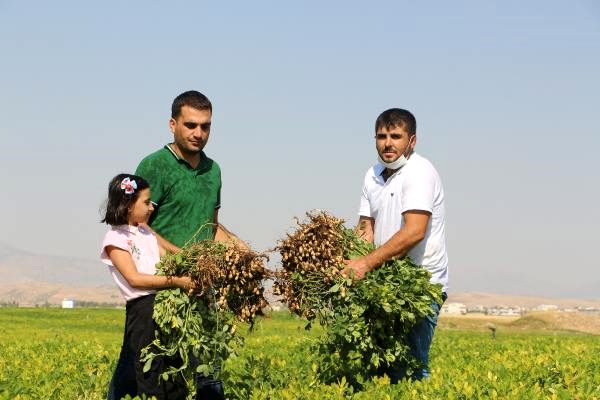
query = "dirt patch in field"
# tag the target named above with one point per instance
(565, 321)
(473, 322)
(534, 321)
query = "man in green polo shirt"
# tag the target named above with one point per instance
(185, 184)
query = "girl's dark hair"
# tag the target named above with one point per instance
(120, 199)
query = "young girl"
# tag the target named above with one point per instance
(131, 250)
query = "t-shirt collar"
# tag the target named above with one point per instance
(128, 228)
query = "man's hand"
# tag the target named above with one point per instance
(358, 265)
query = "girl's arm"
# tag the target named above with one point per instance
(122, 260)
(164, 246)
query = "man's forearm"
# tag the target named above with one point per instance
(166, 245)
(223, 235)
(397, 246)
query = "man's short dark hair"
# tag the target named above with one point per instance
(191, 98)
(396, 118)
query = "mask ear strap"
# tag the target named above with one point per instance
(408, 151)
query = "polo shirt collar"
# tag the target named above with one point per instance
(378, 169)
(202, 165)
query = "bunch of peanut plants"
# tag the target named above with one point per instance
(366, 322)
(196, 332)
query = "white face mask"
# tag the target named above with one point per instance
(399, 163)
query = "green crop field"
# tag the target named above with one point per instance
(70, 354)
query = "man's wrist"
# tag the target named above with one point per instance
(372, 261)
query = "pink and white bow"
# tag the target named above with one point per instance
(128, 185)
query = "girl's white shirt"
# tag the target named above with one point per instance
(143, 247)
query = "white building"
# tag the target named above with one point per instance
(546, 307)
(506, 311)
(477, 309)
(68, 303)
(511, 311)
(454, 308)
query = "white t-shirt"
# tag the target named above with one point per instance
(416, 186)
(143, 247)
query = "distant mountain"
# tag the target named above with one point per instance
(37, 293)
(34, 279)
(472, 299)
(589, 290)
(31, 279)
(20, 266)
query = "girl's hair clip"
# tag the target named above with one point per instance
(128, 185)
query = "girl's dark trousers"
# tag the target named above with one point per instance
(129, 378)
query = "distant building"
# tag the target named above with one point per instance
(454, 308)
(588, 309)
(511, 311)
(68, 303)
(506, 311)
(546, 307)
(477, 309)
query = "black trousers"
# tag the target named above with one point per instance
(129, 378)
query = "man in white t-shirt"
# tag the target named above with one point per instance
(402, 213)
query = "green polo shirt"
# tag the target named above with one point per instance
(184, 198)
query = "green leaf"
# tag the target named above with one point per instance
(203, 369)
(147, 365)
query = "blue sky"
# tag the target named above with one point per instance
(505, 96)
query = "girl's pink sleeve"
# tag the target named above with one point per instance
(116, 239)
